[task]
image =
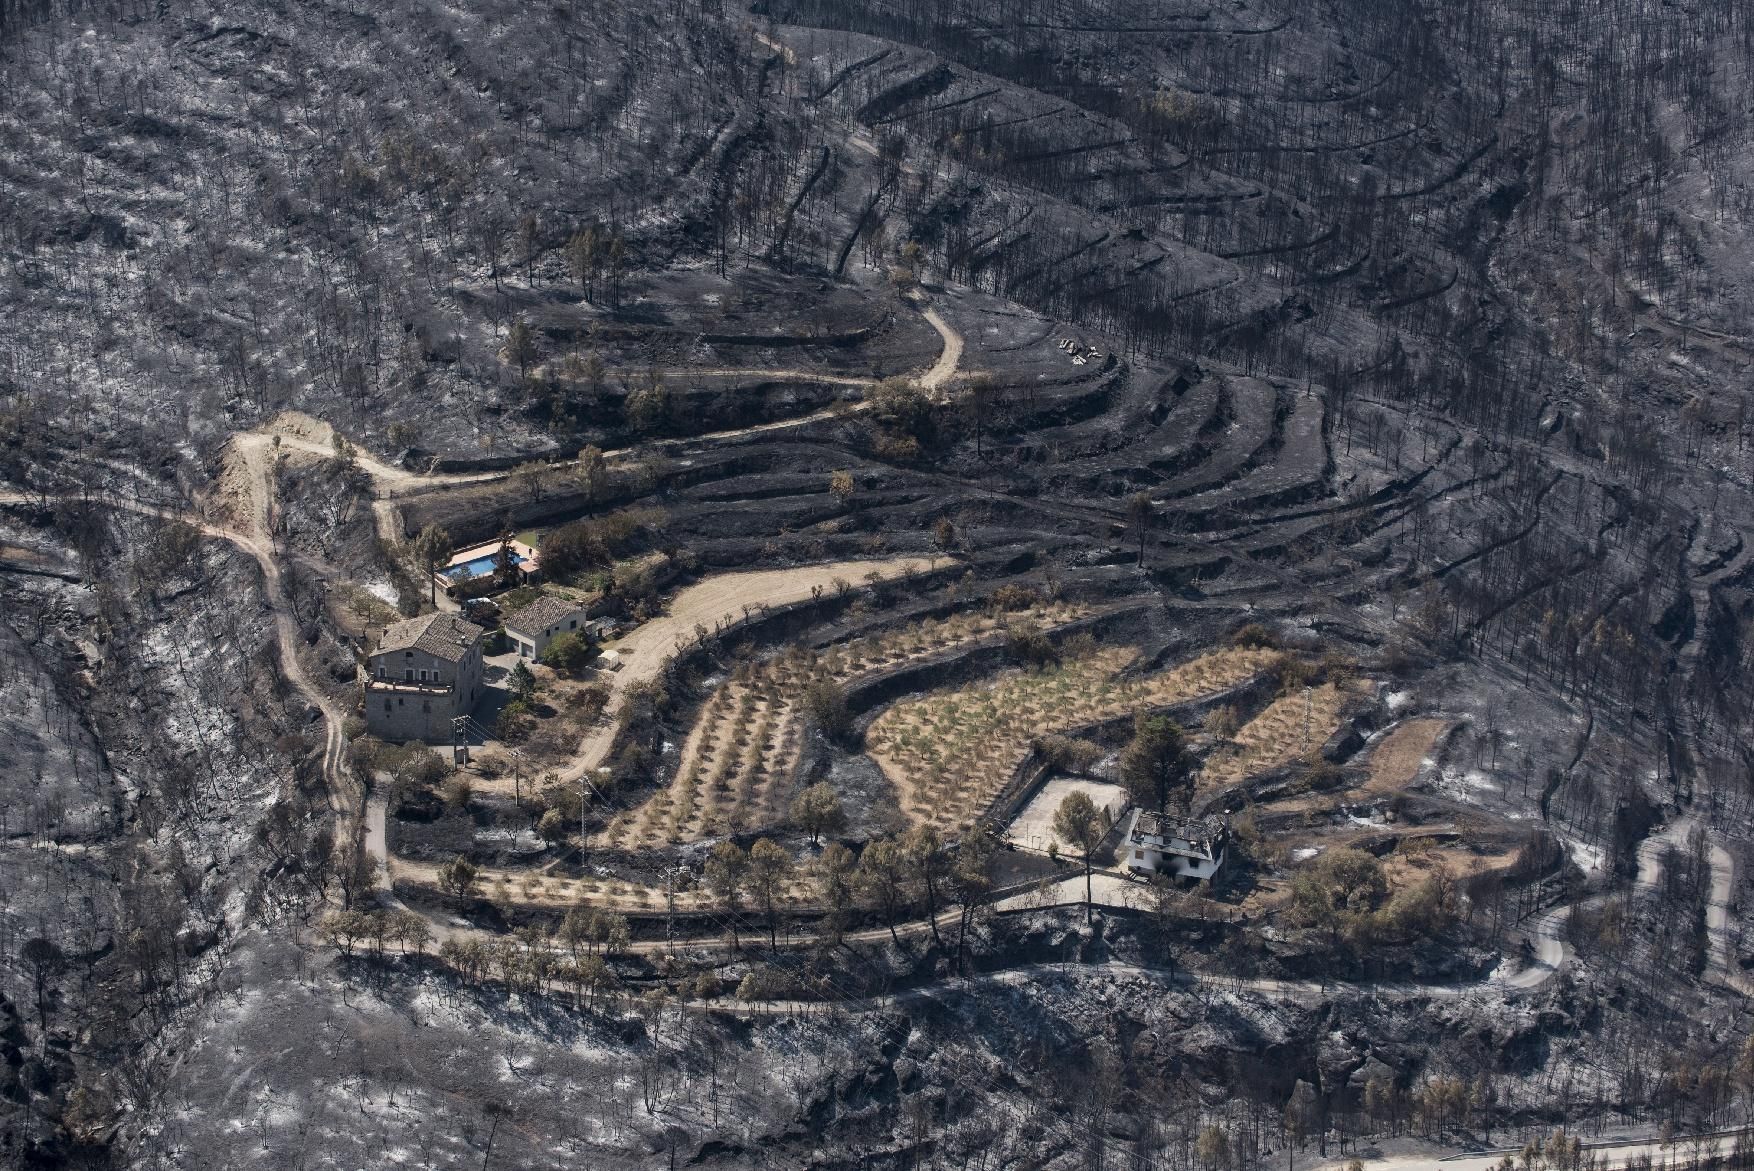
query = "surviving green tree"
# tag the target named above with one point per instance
(1079, 825)
(1156, 766)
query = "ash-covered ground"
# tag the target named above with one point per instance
(1420, 326)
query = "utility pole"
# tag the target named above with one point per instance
(669, 903)
(460, 740)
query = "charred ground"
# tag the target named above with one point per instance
(1418, 325)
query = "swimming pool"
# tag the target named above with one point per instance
(480, 567)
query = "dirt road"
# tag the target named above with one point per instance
(1618, 1150)
(944, 369)
(293, 431)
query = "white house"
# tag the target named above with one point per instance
(1161, 843)
(532, 628)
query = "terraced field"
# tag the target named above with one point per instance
(950, 753)
(738, 765)
(1291, 727)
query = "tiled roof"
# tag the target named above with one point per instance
(444, 636)
(541, 614)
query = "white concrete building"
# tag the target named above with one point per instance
(1182, 847)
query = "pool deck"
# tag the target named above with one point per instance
(478, 561)
(485, 554)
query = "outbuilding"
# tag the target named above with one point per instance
(533, 627)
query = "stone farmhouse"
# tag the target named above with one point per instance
(423, 673)
(533, 627)
(1181, 847)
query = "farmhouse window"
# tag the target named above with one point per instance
(386, 705)
(423, 675)
(408, 674)
(572, 624)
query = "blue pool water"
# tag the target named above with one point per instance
(480, 567)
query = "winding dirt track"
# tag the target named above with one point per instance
(293, 431)
(346, 796)
(944, 369)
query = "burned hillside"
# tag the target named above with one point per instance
(906, 403)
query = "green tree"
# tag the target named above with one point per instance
(523, 681)
(570, 652)
(648, 408)
(727, 868)
(1339, 891)
(593, 471)
(530, 476)
(902, 408)
(971, 877)
(575, 932)
(1156, 765)
(883, 875)
(553, 826)
(345, 929)
(835, 873)
(906, 274)
(825, 706)
(769, 868)
(583, 257)
(410, 930)
(817, 811)
(505, 560)
(1212, 1148)
(458, 877)
(1077, 823)
(614, 932)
